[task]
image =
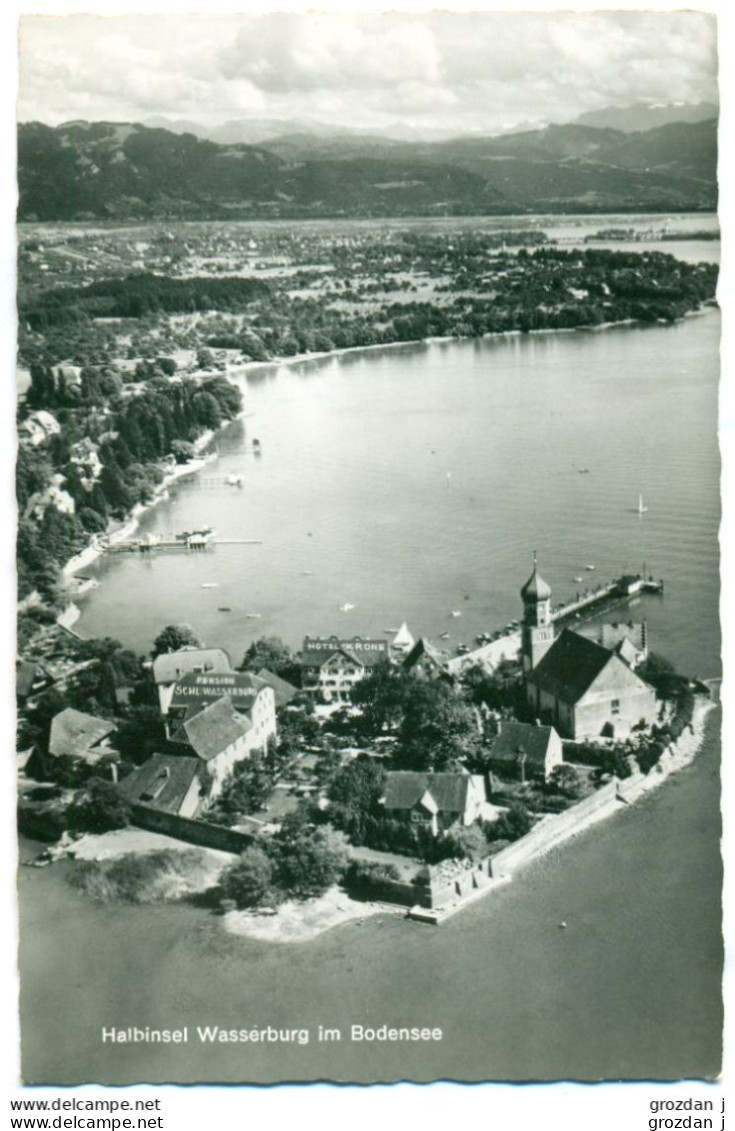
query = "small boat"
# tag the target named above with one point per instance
(256, 442)
(253, 616)
(641, 508)
(455, 613)
(589, 567)
(443, 635)
(307, 573)
(578, 580)
(224, 609)
(394, 631)
(346, 607)
(210, 584)
(462, 649)
(234, 480)
(583, 470)
(562, 925)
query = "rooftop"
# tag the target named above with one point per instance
(75, 733)
(570, 666)
(170, 666)
(162, 782)
(404, 789)
(515, 739)
(212, 730)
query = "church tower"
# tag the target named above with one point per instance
(537, 631)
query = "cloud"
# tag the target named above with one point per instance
(463, 70)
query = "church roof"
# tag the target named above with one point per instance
(570, 666)
(536, 589)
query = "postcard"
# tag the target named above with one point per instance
(368, 579)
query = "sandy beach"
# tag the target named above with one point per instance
(296, 922)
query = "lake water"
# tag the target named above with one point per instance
(411, 482)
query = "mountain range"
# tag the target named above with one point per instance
(119, 171)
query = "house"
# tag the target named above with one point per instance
(251, 697)
(586, 690)
(434, 801)
(38, 427)
(331, 667)
(77, 735)
(171, 666)
(521, 751)
(426, 660)
(218, 737)
(166, 782)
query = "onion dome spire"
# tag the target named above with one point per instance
(535, 589)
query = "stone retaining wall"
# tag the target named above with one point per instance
(193, 832)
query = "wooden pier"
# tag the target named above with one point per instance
(622, 589)
(168, 542)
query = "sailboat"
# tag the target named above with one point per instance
(641, 508)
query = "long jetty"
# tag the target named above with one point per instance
(171, 542)
(610, 593)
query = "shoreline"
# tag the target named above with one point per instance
(302, 921)
(94, 551)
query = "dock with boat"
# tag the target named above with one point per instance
(189, 540)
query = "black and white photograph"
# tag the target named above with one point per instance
(368, 656)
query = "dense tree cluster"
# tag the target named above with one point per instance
(131, 435)
(300, 862)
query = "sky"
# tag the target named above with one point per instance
(456, 71)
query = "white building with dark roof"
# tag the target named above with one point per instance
(434, 801)
(522, 751)
(331, 667)
(586, 690)
(251, 697)
(575, 684)
(167, 782)
(218, 737)
(169, 667)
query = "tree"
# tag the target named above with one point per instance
(182, 451)
(439, 730)
(511, 825)
(467, 843)
(249, 881)
(176, 636)
(100, 808)
(269, 652)
(355, 792)
(498, 689)
(383, 696)
(140, 733)
(566, 781)
(311, 862)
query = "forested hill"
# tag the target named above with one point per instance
(115, 171)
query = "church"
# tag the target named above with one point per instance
(575, 684)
